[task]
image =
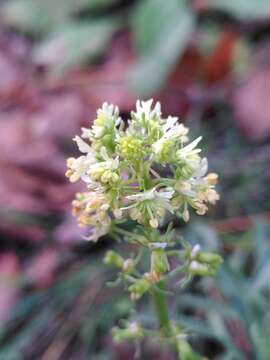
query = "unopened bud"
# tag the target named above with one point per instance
(210, 258)
(128, 266)
(70, 161)
(117, 213)
(154, 223)
(113, 259)
(196, 268)
(159, 261)
(195, 251)
(139, 288)
(212, 178)
(131, 333)
(186, 215)
(153, 277)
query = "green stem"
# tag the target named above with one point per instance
(161, 308)
(122, 232)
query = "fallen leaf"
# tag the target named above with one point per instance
(251, 105)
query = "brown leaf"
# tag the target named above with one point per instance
(252, 107)
(40, 270)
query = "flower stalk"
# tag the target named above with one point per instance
(137, 175)
(161, 309)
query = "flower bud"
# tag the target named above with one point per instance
(139, 288)
(107, 140)
(196, 268)
(153, 223)
(128, 266)
(113, 259)
(118, 213)
(195, 251)
(131, 333)
(131, 148)
(159, 261)
(212, 178)
(210, 258)
(186, 215)
(109, 177)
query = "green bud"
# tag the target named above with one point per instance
(109, 176)
(139, 288)
(112, 258)
(159, 261)
(196, 268)
(212, 259)
(165, 151)
(108, 141)
(131, 333)
(131, 148)
(128, 266)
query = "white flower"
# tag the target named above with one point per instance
(189, 154)
(149, 206)
(107, 117)
(173, 130)
(190, 149)
(88, 164)
(143, 108)
(86, 133)
(119, 159)
(184, 187)
(158, 198)
(152, 194)
(108, 110)
(111, 163)
(91, 210)
(83, 146)
(104, 171)
(195, 251)
(202, 169)
(107, 164)
(77, 168)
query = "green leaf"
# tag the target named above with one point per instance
(29, 16)
(75, 44)
(161, 31)
(39, 17)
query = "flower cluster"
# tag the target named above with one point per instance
(142, 169)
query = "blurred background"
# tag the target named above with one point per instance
(207, 62)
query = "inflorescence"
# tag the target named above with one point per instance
(123, 167)
(147, 172)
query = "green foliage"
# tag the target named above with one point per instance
(72, 312)
(66, 39)
(161, 31)
(74, 44)
(39, 17)
(237, 314)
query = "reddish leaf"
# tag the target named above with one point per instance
(218, 64)
(252, 107)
